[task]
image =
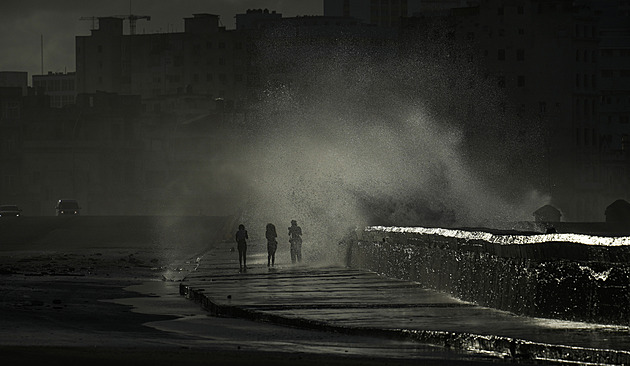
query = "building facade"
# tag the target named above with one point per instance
(11, 79)
(59, 86)
(385, 13)
(204, 63)
(562, 65)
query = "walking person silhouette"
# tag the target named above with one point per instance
(272, 244)
(295, 238)
(241, 243)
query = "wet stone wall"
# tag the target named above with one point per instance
(554, 277)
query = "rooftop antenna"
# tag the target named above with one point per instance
(131, 17)
(41, 45)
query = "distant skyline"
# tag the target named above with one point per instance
(23, 23)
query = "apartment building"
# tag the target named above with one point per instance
(204, 63)
(385, 13)
(14, 79)
(60, 86)
(561, 65)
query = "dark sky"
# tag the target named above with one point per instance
(23, 22)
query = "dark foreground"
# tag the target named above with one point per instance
(334, 298)
(107, 304)
(156, 357)
(107, 291)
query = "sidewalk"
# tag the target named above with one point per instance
(363, 303)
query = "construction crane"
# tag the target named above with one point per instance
(131, 17)
(132, 21)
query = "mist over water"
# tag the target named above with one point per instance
(347, 138)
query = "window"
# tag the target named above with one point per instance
(586, 108)
(116, 132)
(501, 55)
(577, 136)
(520, 10)
(520, 55)
(586, 136)
(500, 11)
(521, 81)
(501, 81)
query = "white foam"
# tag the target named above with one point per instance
(508, 239)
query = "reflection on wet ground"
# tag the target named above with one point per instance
(360, 302)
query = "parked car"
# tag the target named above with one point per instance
(67, 207)
(9, 210)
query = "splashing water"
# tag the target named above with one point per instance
(346, 137)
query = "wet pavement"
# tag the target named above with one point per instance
(342, 300)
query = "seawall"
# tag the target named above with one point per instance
(562, 276)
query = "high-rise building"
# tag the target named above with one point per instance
(206, 62)
(386, 13)
(562, 65)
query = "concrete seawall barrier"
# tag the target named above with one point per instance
(561, 276)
